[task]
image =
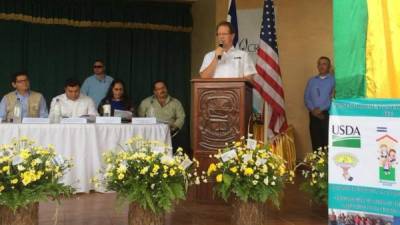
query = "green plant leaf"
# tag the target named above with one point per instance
(227, 179)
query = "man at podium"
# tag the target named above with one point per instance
(226, 61)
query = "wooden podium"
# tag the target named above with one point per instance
(221, 109)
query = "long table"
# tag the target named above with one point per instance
(83, 143)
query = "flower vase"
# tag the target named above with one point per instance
(248, 213)
(28, 215)
(139, 216)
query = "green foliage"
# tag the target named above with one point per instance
(316, 175)
(17, 199)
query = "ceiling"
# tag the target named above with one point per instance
(180, 1)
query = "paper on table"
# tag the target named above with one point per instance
(108, 119)
(89, 118)
(123, 114)
(35, 120)
(144, 120)
(74, 120)
(162, 121)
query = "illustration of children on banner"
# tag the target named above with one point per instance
(387, 159)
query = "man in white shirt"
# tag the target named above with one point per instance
(73, 103)
(226, 61)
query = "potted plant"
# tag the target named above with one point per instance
(29, 173)
(315, 173)
(252, 174)
(150, 179)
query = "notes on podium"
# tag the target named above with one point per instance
(144, 120)
(32, 120)
(108, 120)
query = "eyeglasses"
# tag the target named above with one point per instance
(96, 66)
(223, 34)
(22, 81)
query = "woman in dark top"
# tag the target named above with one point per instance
(117, 98)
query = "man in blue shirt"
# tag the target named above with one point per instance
(317, 98)
(96, 86)
(32, 103)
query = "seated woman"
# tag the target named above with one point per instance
(117, 98)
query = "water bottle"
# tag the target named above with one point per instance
(57, 112)
(150, 112)
(107, 108)
(17, 115)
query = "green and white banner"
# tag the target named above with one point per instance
(364, 151)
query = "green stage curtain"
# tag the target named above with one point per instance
(139, 43)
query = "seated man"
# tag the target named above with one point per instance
(163, 107)
(73, 102)
(32, 103)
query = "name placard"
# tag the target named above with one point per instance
(144, 120)
(228, 155)
(108, 120)
(260, 162)
(36, 120)
(186, 163)
(74, 120)
(247, 157)
(251, 144)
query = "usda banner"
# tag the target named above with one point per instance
(364, 155)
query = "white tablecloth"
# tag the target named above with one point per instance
(83, 143)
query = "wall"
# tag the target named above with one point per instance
(203, 35)
(304, 32)
(304, 29)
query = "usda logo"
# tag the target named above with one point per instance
(346, 136)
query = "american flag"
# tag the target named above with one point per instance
(232, 18)
(268, 80)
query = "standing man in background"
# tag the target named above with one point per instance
(32, 103)
(96, 86)
(317, 98)
(226, 61)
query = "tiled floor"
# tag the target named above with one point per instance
(100, 209)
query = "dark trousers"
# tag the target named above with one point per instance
(319, 131)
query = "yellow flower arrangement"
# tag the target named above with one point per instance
(249, 172)
(30, 173)
(144, 172)
(316, 175)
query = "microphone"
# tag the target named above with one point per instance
(220, 45)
